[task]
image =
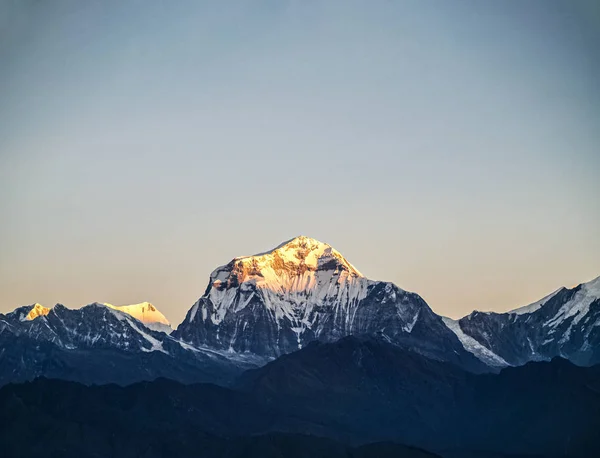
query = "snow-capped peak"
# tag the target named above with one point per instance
(306, 250)
(292, 280)
(290, 259)
(35, 311)
(147, 314)
(304, 290)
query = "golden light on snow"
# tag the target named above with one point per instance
(37, 310)
(144, 312)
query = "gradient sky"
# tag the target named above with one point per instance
(450, 147)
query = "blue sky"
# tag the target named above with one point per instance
(450, 147)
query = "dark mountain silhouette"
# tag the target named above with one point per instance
(356, 391)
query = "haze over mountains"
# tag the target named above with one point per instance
(305, 344)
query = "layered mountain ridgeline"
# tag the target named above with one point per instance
(98, 344)
(276, 302)
(565, 323)
(260, 307)
(376, 391)
(353, 392)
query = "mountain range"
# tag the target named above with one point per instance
(100, 344)
(293, 352)
(257, 308)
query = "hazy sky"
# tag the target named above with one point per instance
(452, 147)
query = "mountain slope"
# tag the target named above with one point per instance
(471, 345)
(304, 290)
(565, 323)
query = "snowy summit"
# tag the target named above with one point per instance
(147, 314)
(292, 279)
(304, 290)
(37, 310)
(284, 264)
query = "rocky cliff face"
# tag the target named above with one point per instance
(304, 290)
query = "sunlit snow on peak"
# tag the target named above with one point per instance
(147, 314)
(289, 259)
(294, 280)
(37, 310)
